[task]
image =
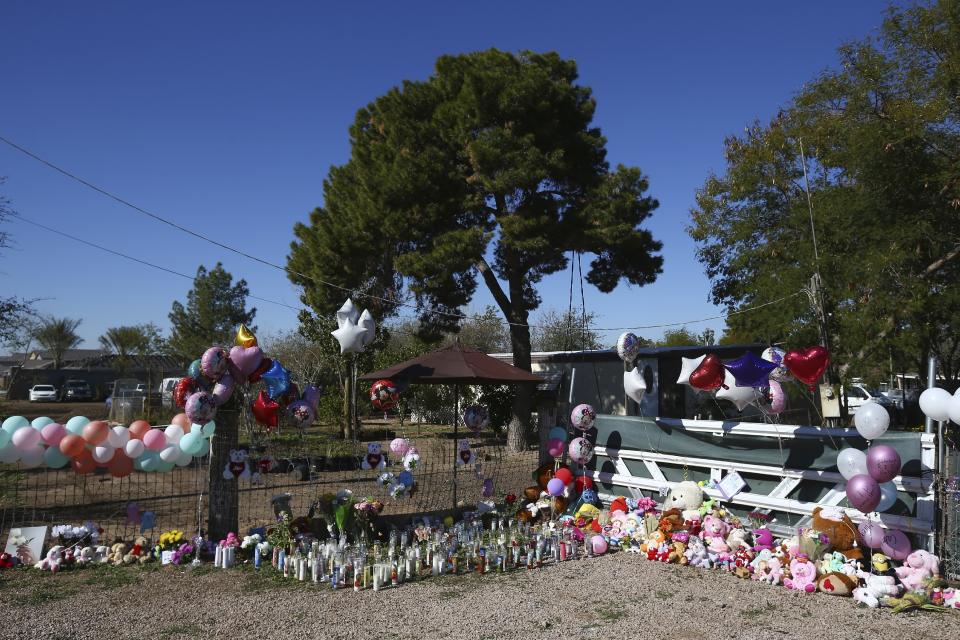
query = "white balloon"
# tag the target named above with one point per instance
(32, 457)
(740, 396)
(688, 366)
(369, 326)
(347, 313)
(350, 337)
(871, 420)
(888, 496)
(103, 454)
(174, 432)
(118, 437)
(134, 448)
(634, 385)
(935, 404)
(170, 453)
(953, 407)
(183, 459)
(852, 462)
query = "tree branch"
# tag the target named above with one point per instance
(490, 278)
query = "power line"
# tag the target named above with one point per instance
(351, 292)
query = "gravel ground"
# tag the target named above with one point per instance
(613, 596)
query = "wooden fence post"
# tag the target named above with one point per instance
(222, 497)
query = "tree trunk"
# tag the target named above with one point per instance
(519, 428)
(223, 511)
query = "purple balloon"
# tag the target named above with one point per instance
(883, 462)
(872, 534)
(863, 492)
(896, 545)
(750, 370)
(487, 490)
(555, 487)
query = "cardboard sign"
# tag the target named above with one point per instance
(166, 557)
(26, 544)
(732, 484)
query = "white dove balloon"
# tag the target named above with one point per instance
(369, 325)
(688, 366)
(634, 385)
(350, 337)
(740, 396)
(348, 312)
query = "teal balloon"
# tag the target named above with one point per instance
(204, 448)
(54, 459)
(209, 428)
(557, 433)
(195, 428)
(190, 443)
(76, 424)
(13, 423)
(40, 423)
(149, 461)
(4, 438)
(137, 465)
(9, 454)
(194, 369)
(163, 466)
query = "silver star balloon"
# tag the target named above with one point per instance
(634, 385)
(348, 312)
(369, 325)
(350, 336)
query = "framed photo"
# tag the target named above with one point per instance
(26, 544)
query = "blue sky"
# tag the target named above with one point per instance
(225, 117)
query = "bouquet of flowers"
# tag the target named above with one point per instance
(252, 542)
(812, 542)
(281, 534)
(366, 512)
(182, 553)
(68, 535)
(171, 539)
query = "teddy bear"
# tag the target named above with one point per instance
(85, 556)
(839, 529)
(671, 520)
(803, 575)
(919, 566)
(138, 552)
(686, 496)
(52, 561)
(740, 564)
(374, 458)
(713, 528)
(101, 553)
(236, 467)
(697, 553)
(737, 539)
(117, 551)
(837, 583)
(678, 548)
(767, 568)
(465, 457)
(875, 589)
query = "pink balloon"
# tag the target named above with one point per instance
(53, 433)
(895, 544)
(599, 545)
(872, 534)
(399, 446)
(155, 440)
(25, 439)
(555, 447)
(883, 462)
(863, 492)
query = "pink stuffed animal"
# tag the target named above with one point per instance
(768, 569)
(804, 575)
(920, 565)
(951, 598)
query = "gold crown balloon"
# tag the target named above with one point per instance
(245, 338)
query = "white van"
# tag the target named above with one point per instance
(166, 390)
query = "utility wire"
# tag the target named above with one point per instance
(349, 291)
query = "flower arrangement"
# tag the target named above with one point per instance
(230, 541)
(812, 542)
(182, 553)
(252, 542)
(758, 519)
(69, 534)
(281, 534)
(366, 511)
(171, 539)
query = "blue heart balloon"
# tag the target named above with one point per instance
(406, 478)
(557, 433)
(277, 379)
(750, 370)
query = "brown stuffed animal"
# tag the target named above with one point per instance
(671, 520)
(117, 551)
(841, 531)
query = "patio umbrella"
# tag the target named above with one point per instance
(456, 365)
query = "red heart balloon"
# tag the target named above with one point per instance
(709, 375)
(265, 365)
(807, 365)
(183, 388)
(265, 410)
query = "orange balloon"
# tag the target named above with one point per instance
(96, 432)
(72, 445)
(120, 466)
(183, 421)
(138, 428)
(84, 463)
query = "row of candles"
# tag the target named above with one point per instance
(460, 550)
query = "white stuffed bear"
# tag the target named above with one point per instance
(374, 458)
(875, 589)
(237, 467)
(52, 561)
(464, 455)
(686, 496)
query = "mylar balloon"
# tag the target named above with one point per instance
(851, 462)
(369, 326)
(265, 410)
(773, 400)
(223, 389)
(582, 417)
(634, 385)
(246, 359)
(347, 313)
(311, 395)
(709, 375)
(301, 414)
(739, 396)
(265, 366)
(350, 337)
(200, 407)
(807, 365)
(580, 450)
(628, 347)
(277, 379)
(245, 337)
(883, 462)
(775, 355)
(935, 404)
(213, 363)
(750, 370)
(953, 407)
(476, 418)
(871, 420)
(384, 395)
(872, 534)
(399, 446)
(863, 493)
(194, 369)
(688, 366)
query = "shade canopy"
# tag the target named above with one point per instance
(454, 365)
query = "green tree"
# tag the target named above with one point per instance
(683, 337)
(485, 332)
(883, 149)
(129, 340)
(215, 308)
(491, 170)
(57, 336)
(567, 330)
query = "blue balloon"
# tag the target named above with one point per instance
(147, 521)
(194, 370)
(204, 448)
(40, 423)
(750, 370)
(54, 459)
(406, 478)
(13, 423)
(76, 424)
(277, 379)
(557, 433)
(149, 461)
(208, 429)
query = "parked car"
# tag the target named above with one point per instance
(166, 390)
(859, 394)
(902, 399)
(77, 391)
(43, 393)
